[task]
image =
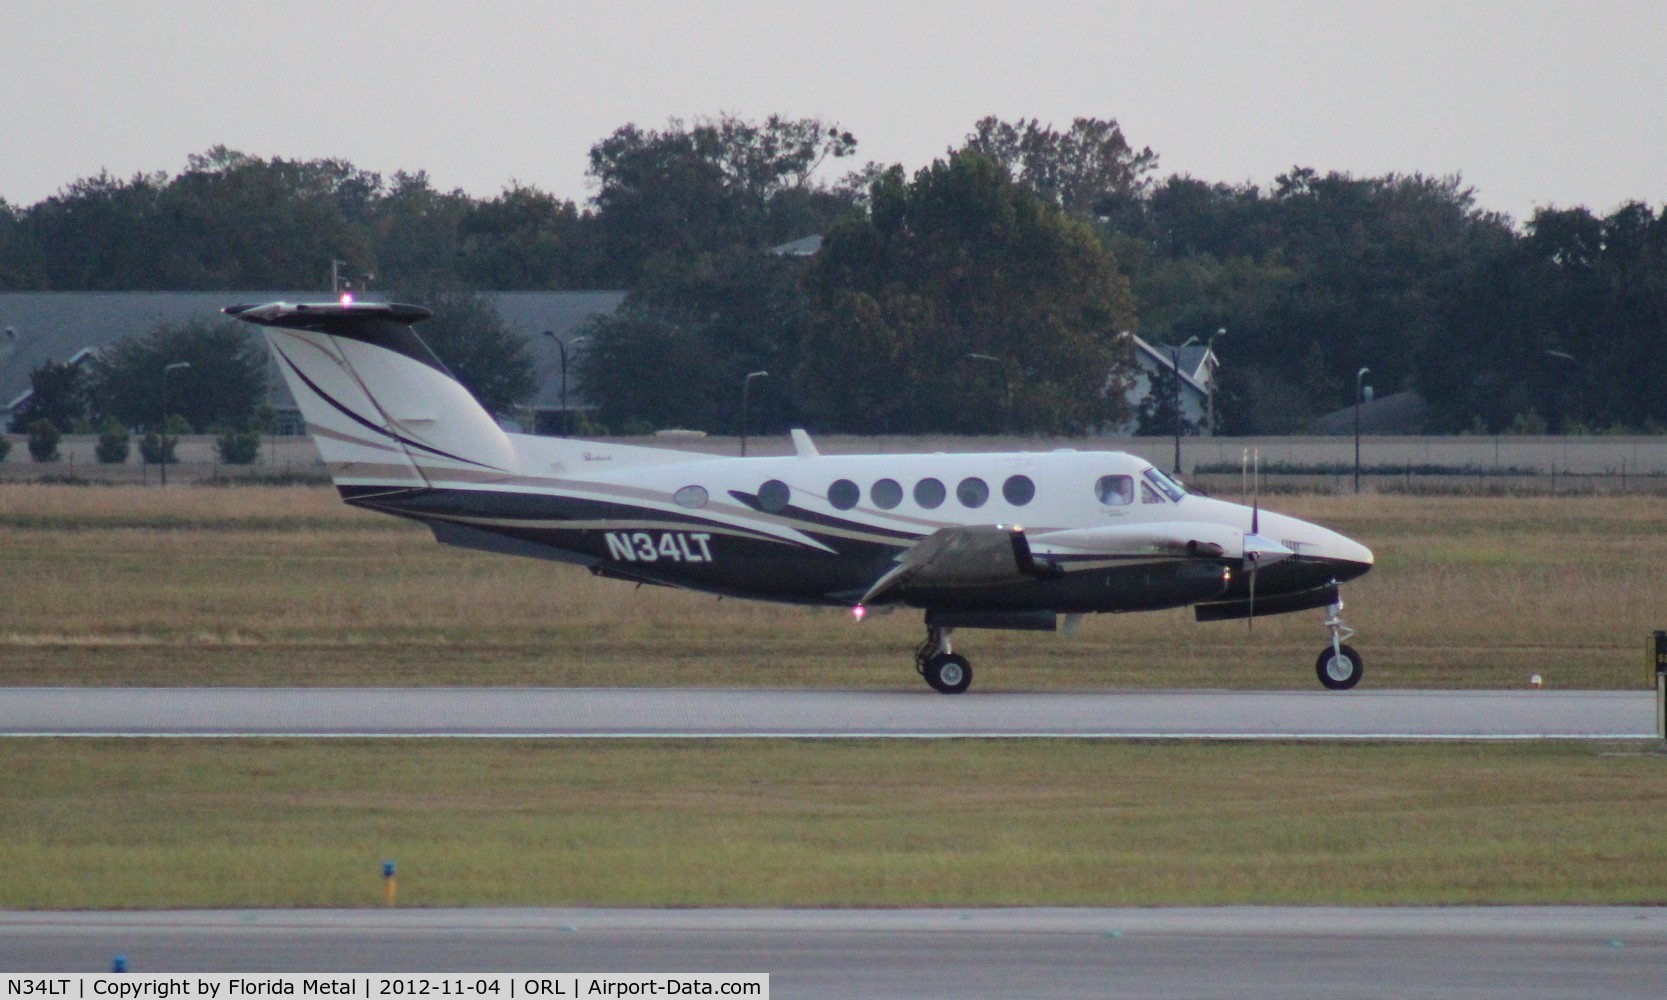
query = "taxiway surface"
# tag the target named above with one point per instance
(1242, 952)
(711, 713)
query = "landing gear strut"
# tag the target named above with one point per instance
(947, 672)
(1339, 666)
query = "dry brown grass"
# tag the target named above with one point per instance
(286, 585)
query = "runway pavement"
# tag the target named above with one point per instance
(1242, 952)
(623, 712)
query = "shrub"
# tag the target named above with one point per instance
(43, 440)
(157, 447)
(238, 447)
(114, 443)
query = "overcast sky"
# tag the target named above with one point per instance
(1534, 103)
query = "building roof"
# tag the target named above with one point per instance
(47, 326)
(1197, 364)
(804, 246)
(1397, 413)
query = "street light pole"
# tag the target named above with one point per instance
(1210, 396)
(1359, 391)
(162, 430)
(746, 386)
(566, 416)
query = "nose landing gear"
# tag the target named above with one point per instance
(1340, 666)
(945, 671)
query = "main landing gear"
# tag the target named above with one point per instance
(947, 672)
(1339, 666)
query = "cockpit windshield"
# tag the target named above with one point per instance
(1164, 485)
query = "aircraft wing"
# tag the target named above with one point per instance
(962, 556)
(990, 554)
(1191, 539)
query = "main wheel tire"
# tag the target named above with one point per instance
(1339, 669)
(948, 673)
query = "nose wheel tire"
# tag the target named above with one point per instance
(1339, 669)
(948, 673)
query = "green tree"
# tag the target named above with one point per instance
(719, 183)
(639, 367)
(960, 261)
(1090, 171)
(58, 393)
(1313, 279)
(19, 261)
(224, 382)
(521, 239)
(413, 232)
(1562, 328)
(97, 233)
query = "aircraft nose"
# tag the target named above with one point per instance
(1345, 550)
(1344, 557)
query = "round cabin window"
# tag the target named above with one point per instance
(1018, 490)
(774, 496)
(929, 493)
(843, 494)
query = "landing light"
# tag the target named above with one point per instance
(347, 298)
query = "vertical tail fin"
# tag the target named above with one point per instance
(382, 408)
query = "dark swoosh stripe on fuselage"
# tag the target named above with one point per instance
(663, 546)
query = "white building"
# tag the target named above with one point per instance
(1188, 371)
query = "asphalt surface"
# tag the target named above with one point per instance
(1245, 952)
(622, 712)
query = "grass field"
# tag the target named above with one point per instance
(249, 585)
(286, 585)
(181, 823)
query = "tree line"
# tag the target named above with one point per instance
(991, 290)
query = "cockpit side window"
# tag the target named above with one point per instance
(1115, 491)
(1148, 494)
(1165, 486)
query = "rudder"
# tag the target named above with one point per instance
(382, 408)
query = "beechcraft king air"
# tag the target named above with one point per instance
(1004, 541)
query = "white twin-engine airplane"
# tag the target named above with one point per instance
(1101, 531)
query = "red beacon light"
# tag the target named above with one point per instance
(859, 612)
(347, 298)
